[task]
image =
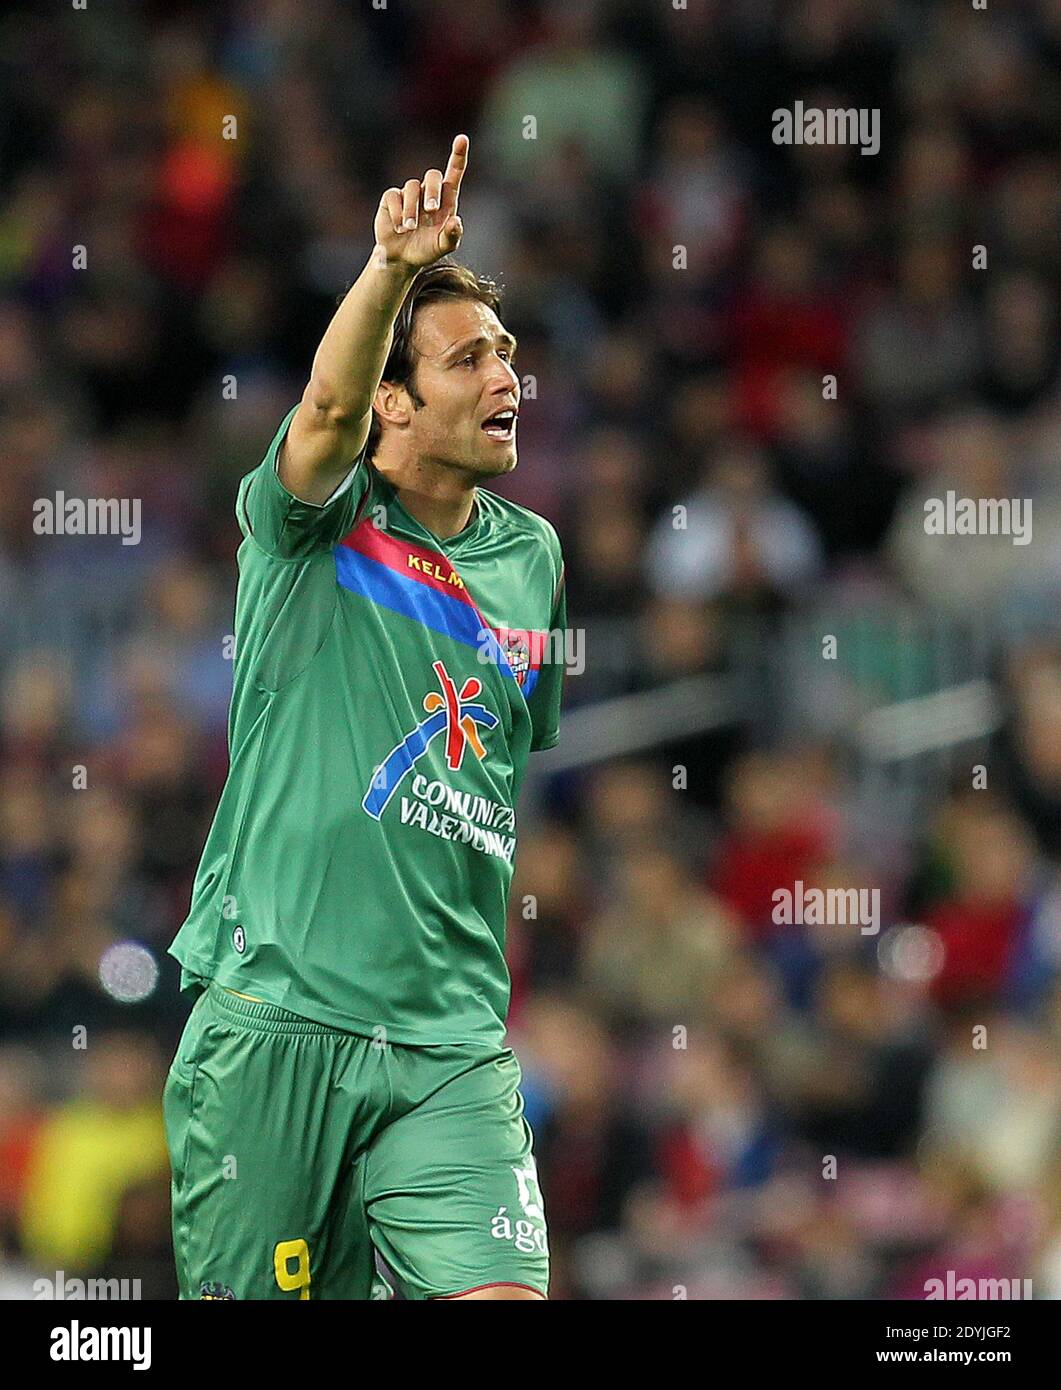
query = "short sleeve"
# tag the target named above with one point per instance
(281, 524)
(545, 699)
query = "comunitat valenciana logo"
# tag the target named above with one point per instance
(456, 715)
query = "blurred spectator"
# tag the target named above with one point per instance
(958, 569)
(654, 954)
(21, 1115)
(90, 1151)
(574, 86)
(996, 1068)
(1030, 742)
(775, 836)
(919, 345)
(855, 1081)
(735, 538)
(981, 917)
(595, 1150)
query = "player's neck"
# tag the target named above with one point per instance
(443, 517)
(441, 499)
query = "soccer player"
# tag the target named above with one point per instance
(342, 1085)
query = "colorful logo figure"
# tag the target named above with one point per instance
(453, 713)
(460, 727)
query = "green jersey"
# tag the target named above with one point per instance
(387, 689)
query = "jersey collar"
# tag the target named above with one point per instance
(409, 524)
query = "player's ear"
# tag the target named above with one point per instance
(392, 403)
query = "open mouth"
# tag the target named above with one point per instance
(502, 425)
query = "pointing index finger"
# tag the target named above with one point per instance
(458, 162)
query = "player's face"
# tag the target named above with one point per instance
(465, 378)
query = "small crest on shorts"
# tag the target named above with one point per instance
(215, 1290)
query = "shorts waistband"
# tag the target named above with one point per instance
(269, 1018)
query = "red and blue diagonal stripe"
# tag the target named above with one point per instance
(422, 585)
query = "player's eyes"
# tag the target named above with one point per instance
(471, 359)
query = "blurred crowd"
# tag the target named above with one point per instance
(746, 367)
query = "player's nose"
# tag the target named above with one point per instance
(503, 379)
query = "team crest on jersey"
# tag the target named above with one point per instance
(455, 714)
(215, 1290)
(517, 654)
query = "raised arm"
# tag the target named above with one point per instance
(415, 226)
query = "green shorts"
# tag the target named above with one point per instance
(298, 1151)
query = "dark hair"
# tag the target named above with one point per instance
(443, 280)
